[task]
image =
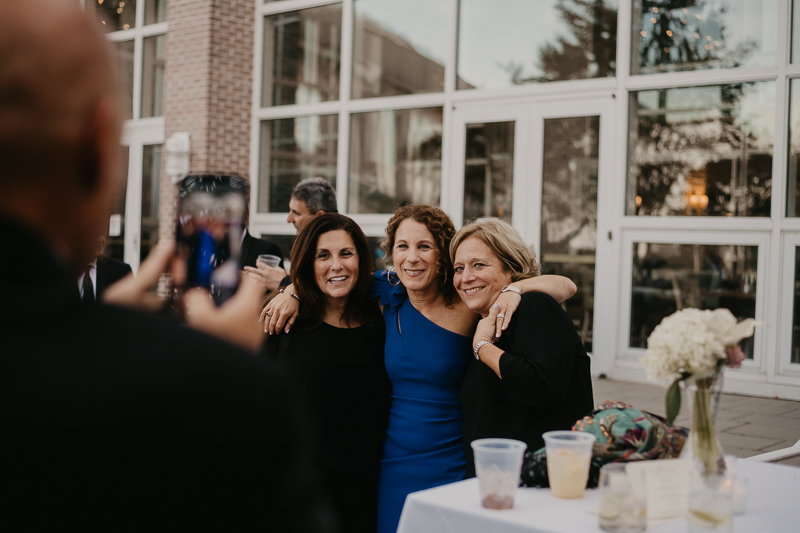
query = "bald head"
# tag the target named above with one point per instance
(59, 124)
(55, 67)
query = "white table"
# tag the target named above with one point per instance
(773, 506)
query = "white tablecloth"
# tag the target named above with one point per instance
(773, 506)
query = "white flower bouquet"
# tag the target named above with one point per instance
(693, 345)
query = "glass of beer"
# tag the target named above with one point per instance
(569, 454)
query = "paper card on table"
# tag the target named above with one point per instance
(665, 484)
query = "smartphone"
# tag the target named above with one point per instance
(212, 209)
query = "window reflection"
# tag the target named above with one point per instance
(702, 150)
(670, 277)
(395, 158)
(153, 76)
(489, 170)
(115, 244)
(502, 44)
(125, 58)
(672, 35)
(569, 211)
(796, 314)
(155, 11)
(399, 47)
(301, 56)
(793, 184)
(114, 15)
(293, 149)
(151, 184)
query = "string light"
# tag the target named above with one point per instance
(716, 43)
(669, 32)
(685, 10)
(655, 10)
(643, 33)
(708, 38)
(126, 26)
(666, 49)
(653, 20)
(699, 16)
(696, 35)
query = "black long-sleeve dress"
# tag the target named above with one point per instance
(341, 380)
(546, 381)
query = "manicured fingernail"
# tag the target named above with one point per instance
(495, 306)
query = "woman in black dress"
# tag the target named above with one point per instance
(335, 354)
(533, 379)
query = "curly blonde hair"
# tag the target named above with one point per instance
(505, 242)
(442, 229)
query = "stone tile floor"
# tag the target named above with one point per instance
(747, 425)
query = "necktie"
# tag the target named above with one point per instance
(88, 289)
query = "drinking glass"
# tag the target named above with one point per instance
(498, 463)
(621, 511)
(268, 260)
(569, 454)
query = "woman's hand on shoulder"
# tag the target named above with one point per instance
(281, 310)
(506, 304)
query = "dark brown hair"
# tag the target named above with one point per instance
(442, 229)
(360, 308)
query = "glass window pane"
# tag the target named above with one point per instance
(293, 149)
(125, 57)
(489, 170)
(155, 11)
(395, 158)
(115, 15)
(301, 56)
(151, 185)
(115, 244)
(569, 211)
(793, 184)
(696, 35)
(399, 47)
(701, 151)
(153, 76)
(530, 41)
(670, 277)
(796, 314)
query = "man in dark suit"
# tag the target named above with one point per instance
(252, 247)
(109, 414)
(102, 272)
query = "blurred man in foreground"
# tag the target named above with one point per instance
(108, 413)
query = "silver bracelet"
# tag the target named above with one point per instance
(478, 348)
(296, 297)
(511, 288)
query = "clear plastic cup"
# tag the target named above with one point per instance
(569, 454)
(498, 463)
(268, 259)
(621, 511)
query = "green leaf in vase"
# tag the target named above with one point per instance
(673, 401)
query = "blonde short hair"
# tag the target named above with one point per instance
(505, 242)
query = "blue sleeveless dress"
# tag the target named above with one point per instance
(426, 364)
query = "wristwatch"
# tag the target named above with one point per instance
(511, 288)
(478, 348)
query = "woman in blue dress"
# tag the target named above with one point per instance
(428, 349)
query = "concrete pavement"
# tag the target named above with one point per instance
(747, 426)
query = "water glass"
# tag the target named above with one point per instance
(498, 463)
(268, 260)
(711, 509)
(569, 455)
(621, 511)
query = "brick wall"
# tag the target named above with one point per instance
(208, 87)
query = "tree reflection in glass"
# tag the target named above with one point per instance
(671, 277)
(545, 40)
(395, 159)
(489, 170)
(701, 150)
(671, 35)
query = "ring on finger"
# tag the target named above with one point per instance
(266, 314)
(501, 316)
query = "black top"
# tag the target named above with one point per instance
(109, 271)
(341, 378)
(109, 414)
(252, 247)
(546, 381)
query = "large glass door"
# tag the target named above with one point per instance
(546, 169)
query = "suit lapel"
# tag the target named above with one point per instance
(246, 243)
(102, 277)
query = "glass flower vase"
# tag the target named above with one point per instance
(703, 447)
